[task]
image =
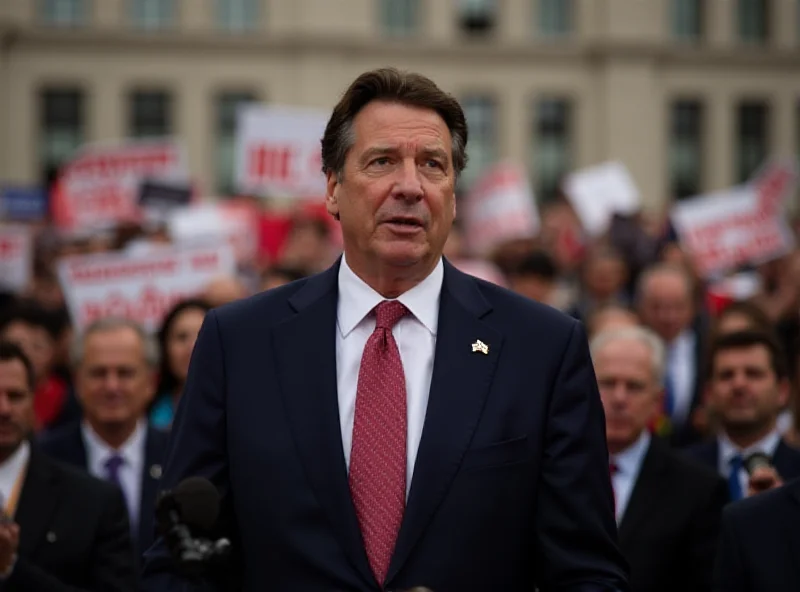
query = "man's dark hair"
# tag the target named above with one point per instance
(746, 339)
(11, 351)
(393, 86)
(539, 264)
(31, 313)
(754, 313)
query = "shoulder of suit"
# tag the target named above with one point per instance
(73, 477)
(274, 301)
(695, 471)
(55, 439)
(770, 505)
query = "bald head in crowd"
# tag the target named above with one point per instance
(665, 302)
(223, 290)
(612, 316)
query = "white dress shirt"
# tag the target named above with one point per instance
(727, 450)
(11, 470)
(415, 334)
(682, 368)
(130, 473)
(629, 463)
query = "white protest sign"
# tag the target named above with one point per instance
(776, 183)
(599, 192)
(278, 151)
(729, 228)
(499, 208)
(229, 222)
(100, 186)
(139, 287)
(16, 257)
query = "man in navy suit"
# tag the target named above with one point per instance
(747, 387)
(760, 544)
(392, 422)
(115, 361)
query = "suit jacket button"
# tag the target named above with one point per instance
(51, 537)
(155, 471)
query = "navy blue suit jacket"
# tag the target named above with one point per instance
(760, 544)
(510, 487)
(66, 445)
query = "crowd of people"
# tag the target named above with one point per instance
(691, 395)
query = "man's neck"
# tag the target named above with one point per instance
(744, 439)
(115, 435)
(392, 282)
(7, 453)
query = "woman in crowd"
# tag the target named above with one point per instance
(176, 339)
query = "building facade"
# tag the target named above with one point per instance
(692, 95)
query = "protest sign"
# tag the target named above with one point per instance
(499, 208)
(232, 222)
(23, 204)
(599, 192)
(139, 287)
(278, 151)
(101, 186)
(16, 257)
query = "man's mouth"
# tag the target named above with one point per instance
(405, 221)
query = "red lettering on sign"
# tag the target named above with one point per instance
(270, 163)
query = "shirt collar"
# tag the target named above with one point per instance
(767, 445)
(129, 451)
(629, 460)
(357, 299)
(10, 469)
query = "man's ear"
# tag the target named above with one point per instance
(332, 193)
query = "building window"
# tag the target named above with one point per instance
(552, 154)
(480, 112)
(753, 17)
(152, 15)
(555, 17)
(686, 149)
(477, 17)
(686, 17)
(63, 13)
(150, 114)
(62, 127)
(238, 15)
(753, 138)
(399, 17)
(227, 105)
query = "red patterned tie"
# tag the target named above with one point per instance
(378, 456)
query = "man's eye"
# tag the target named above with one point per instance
(382, 161)
(434, 164)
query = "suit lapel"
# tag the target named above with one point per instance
(151, 474)
(459, 386)
(646, 493)
(791, 528)
(37, 502)
(305, 357)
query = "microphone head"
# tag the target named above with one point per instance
(756, 460)
(195, 500)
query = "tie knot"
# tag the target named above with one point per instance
(388, 312)
(113, 463)
(737, 462)
(613, 468)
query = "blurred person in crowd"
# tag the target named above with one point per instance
(176, 339)
(668, 507)
(665, 304)
(223, 290)
(61, 530)
(305, 405)
(115, 365)
(759, 549)
(742, 315)
(36, 331)
(535, 277)
(308, 245)
(603, 277)
(611, 316)
(277, 276)
(45, 287)
(747, 388)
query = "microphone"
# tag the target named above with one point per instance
(756, 461)
(186, 517)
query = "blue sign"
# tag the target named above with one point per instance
(23, 203)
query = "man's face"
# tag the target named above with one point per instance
(16, 406)
(604, 277)
(629, 391)
(396, 197)
(744, 391)
(666, 305)
(37, 344)
(114, 382)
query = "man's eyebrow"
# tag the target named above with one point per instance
(436, 153)
(377, 151)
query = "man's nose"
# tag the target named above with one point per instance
(5, 405)
(408, 185)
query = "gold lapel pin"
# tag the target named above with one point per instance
(480, 346)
